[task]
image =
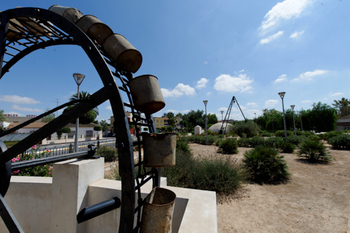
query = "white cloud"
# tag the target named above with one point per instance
(307, 76)
(186, 111)
(296, 35)
(227, 83)
(252, 104)
(286, 10)
(178, 91)
(270, 103)
(205, 63)
(271, 38)
(306, 101)
(16, 107)
(241, 71)
(281, 78)
(202, 83)
(222, 109)
(109, 107)
(18, 99)
(337, 94)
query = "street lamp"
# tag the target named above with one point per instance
(301, 121)
(206, 130)
(222, 115)
(78, 79)
(281, 94)
(292, 106)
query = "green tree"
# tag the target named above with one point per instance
(87, 117)
(212, 119)
(2, 116)
(342, 106)
(194, 118)
(49, 117)
(104, 125)
(324, 117)
(171, 118)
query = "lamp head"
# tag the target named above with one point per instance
(282, 94)
(292, 106)
(205, 102)
(78, 78)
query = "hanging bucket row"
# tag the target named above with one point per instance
(123, 53)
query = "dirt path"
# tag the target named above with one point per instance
(316, 199)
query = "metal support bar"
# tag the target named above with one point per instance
(8, 217)
(98, 209)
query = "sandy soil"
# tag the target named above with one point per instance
(316, 199)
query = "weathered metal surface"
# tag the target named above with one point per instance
(8, 217)
(94, 28)
(157, 213)
(124, 54)
(5, 172)
(159, 149)
(146, 94)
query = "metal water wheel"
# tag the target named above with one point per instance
(40, 28)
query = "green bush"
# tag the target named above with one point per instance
(314, 151)
(287, 147)
(182, 144)
(109, 153)
(295, 140)
(280, 133)
(223, 176)
(326, 136)
(341, 141)
(265, 165)
(245, 129)
(257, 141)
(314, 137)
(274, 142)
(228, 146)
(243, 142)
(265, 133)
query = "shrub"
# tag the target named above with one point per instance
(340, 142)
(314, 137)
(243, 142)
(245, 129)
(330, 134)
(98, 128)
(109, 153)
(228, 146)
(295, 140)
(274, 142)
(265, 165)
(264, 133)
(287, 147)
(314, 151)
(182, 144)
(223, 176)
(280, 133)
(257, 141)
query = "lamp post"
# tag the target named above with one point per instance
(255, 115)
(206, 130)
(78, 79)
(222, 115)
(301, 121)
(292, 106)
(281, 94)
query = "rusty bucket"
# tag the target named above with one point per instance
(146, 94)
(70, 13)
(157, 214)
(125, 55)
(159, 149)
(94, 28)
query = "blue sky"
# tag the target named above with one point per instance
(202, 50)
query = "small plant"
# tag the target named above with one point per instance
(109, 153)
(243, 142)
(265, 165)
(228, 146)
(341, 141)
(257, 141)
(182, 144)
(314, 151)
(274, 142)
(280, 133)
(295, 140)
(245, 129)
(287, 147)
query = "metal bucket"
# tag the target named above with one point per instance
(94, 28)
(146, 94)
(159, 150)
(157, 214)
(70, 13)
(125, 55)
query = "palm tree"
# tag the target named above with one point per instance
(343, 107)
(84, 95)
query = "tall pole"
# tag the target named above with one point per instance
(292, 106)
(222, 115)
(78, 79)
(301, 121)
(281, 94)
(206, 129)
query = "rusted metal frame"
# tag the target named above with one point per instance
(13, 129)
(79, 109)
(123, 142)
(3, 36)
(42, 45)
(8, 217)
